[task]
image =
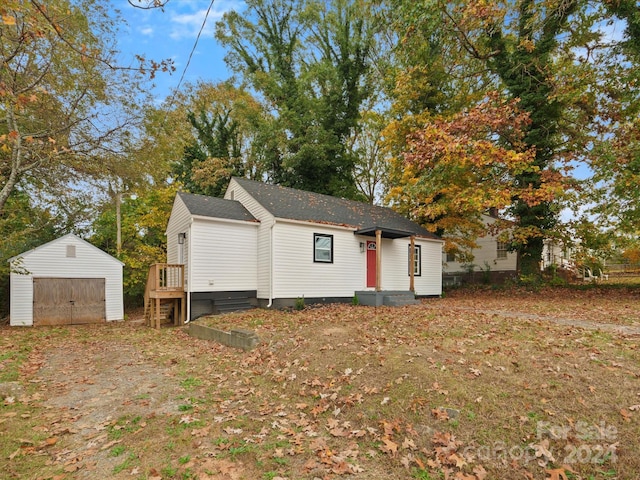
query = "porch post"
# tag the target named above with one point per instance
(412, 263)
(378, 260)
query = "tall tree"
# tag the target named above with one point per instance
(531, 51)
(204, 134)
(309, 61)
(144, 220)
(615, 160)
(371, 168)
(213, 157)
(63, 99)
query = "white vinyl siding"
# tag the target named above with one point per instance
(179, 222)
(223, 256)
(51, 260)
(297, 275)
(264, 235)
(395, 261)
(485, 254)
(295, 272)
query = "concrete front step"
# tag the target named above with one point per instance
(392, 298)
(399, 300)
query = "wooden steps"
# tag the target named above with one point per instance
(164, 296)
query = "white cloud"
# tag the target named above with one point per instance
(188, 24)
(147, 31)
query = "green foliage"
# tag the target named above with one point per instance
(355, 300)
(310, 62)
(127, 464)
(299, 303)
(24, 225)
(144, 220)
(117, 451)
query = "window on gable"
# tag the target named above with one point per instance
(501, 250)
(322, 248)
(417, 261)
(71, 251)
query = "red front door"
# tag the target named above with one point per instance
(371, 263)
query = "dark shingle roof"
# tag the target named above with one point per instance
(289, 203)
(215, 207)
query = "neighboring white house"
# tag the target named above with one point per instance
(274, 244)
(491, 258)
(66, 281)
(558, 253)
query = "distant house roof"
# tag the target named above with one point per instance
(215, 207)
(292, 204)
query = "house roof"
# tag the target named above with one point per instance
(215, 207)
(292, 204)
(62, 239)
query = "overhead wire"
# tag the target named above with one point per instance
(184, 71)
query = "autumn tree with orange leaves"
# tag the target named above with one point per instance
(568, 74)
(455, 168)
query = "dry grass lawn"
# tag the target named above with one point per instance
(490, 384)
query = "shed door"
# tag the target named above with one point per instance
(68, 301)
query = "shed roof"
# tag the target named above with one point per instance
(293, 204)
(215, 207)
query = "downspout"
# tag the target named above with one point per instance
(271, 264)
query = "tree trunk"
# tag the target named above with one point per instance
(118, 199)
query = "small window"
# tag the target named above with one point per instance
(417, 261)
(451, 257)
(501, 250)
(322, 248)
(71, 251)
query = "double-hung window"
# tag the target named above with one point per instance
(322, 248)
(501, 250)
(417, 260)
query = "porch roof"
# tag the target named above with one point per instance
(386, 232)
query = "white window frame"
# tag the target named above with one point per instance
(417, 261)
(501, 250)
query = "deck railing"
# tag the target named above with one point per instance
(166, 277)
(165, 283)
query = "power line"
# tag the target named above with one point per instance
(195, 44)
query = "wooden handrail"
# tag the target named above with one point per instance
(165, 277)
(165, 282)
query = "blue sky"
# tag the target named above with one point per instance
(171, 33)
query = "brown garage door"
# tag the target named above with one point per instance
(68, 301)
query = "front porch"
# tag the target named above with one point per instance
(379, 297)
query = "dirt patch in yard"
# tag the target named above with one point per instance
(92, 391)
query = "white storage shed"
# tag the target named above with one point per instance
(67, 281)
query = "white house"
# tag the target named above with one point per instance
(273, 245)
(64, 282)
(491, 258)
(558, 253)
